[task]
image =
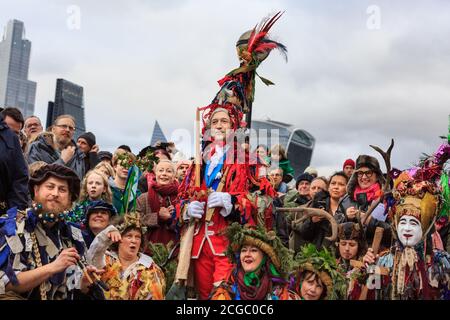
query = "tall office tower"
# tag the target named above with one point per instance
(15, 88)
(68, 100)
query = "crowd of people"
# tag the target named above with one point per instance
(235, 222)
(69, 228)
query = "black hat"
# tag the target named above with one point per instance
(304, 177)
(104, 155)
(100, 205)
(89, 137)
(58, 171)
(368, 161)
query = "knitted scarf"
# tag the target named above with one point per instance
(253, 287)
(158, 195)
(373, 192)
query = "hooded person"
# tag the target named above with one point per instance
(243, 194)
(129, 273)
(40, 250)
(418, 269)
(261, 266)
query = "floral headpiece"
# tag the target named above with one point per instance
(131, 219)
(324, 265)
(268, 242)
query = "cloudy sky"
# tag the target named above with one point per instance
(359, 72)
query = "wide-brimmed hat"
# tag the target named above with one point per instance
(57, 171)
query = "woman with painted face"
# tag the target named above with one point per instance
(128, 273)
(260, 266)
(317, 275)
(157, 205)
(418, 271)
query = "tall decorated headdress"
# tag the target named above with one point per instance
(324, 265)
(237, 88)
(238, 236)
(423, 191)
(130, 220)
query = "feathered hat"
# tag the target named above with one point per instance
(324, 265)
(237, 88)
(268, 242)
(423, 191)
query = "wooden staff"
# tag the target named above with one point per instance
(375, 247)
(184, 257)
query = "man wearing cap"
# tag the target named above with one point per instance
(348, 167)
(98, 217)
(105, 156)
(300, 196)
(59, 147)
(39, 250)
(86, 144)
(13, 171)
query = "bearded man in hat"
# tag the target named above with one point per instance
(39, 250)
(87, 144)
(225, 187)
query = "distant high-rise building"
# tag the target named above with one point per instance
(157, 135)
(68, 100)
(299, 144)
(15, 88)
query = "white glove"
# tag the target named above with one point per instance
(196, 209)
(220, 199)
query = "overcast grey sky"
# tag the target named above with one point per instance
(359, 72)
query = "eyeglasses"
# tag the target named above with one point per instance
(33, 125)
(65, 127)
(367, 173)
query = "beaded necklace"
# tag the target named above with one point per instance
(46, 217)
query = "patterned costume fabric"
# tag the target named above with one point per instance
(20, 232)
(143, 280)
(230, 290)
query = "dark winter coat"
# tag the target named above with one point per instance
(41, 150)
(13, 171)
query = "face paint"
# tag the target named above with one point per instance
(409, 231)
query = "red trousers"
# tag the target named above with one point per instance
(209, 269)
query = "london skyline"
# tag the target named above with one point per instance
(348, 82)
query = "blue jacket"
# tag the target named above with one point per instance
(13, 171)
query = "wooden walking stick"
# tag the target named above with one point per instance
(184, 257)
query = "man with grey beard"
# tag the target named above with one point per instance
(59, 146)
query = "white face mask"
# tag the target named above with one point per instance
(409, 231)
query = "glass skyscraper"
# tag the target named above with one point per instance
(69, 99)
(15, 88)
